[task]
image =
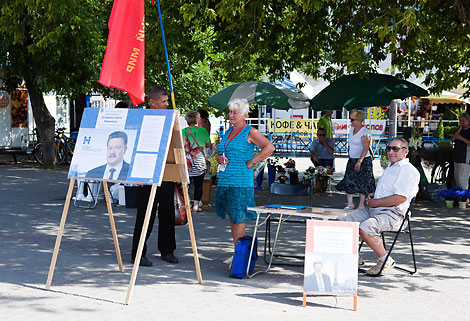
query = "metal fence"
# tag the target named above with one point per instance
(297, 144)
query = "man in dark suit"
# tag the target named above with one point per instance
(115, 168)
(164, 201)
(318, 281)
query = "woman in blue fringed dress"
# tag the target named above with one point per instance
(235, 186)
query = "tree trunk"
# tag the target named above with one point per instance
(77, 106)
(45, 123)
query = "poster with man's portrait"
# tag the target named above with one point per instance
(100, 150)
(331, 256)
(124, 145)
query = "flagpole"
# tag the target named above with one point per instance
(184, 184)
(170, 81)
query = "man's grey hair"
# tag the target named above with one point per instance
(239, 104)
(404, 142)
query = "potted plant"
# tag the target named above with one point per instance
(448, 195)
(290, 163)
(462, 197)
(282, 179)
(454, 195)
(308, 175)
(272, 163)
(280, 171)
(322, 174)
(293, 176)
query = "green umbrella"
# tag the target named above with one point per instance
(352, 91)
(259, 93)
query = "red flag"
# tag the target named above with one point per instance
(123, 64)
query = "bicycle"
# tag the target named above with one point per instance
(64, 147)
(67, 142)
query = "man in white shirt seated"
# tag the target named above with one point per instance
(388, 205)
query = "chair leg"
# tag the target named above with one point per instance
(360, 246)
(415, 268)
(388, 254)
(393, 245)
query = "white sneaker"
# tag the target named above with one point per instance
(229, 262)
(376, 268)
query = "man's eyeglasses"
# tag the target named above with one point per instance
(320, 135)
(396, 149)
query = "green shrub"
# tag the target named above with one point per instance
(439, 133)
(450, 130)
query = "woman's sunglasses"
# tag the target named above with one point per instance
(321, 135)
(396, 149)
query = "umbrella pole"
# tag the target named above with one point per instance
(409, 111)
(393, 126)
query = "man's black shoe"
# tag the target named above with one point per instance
(170, 258)
(143, 261)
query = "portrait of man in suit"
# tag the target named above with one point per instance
(318, 281)
(115, 168)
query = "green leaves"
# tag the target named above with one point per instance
(341, 36)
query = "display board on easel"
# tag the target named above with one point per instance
(331, 256)
(144, 146)
(136, 140)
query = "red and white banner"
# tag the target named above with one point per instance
(123, 64)
(376, 127)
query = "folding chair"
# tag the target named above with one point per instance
(93, 189)
(288, 190)
(402, 229)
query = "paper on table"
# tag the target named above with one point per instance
(150, 134)
(144, 165)
(286, 207)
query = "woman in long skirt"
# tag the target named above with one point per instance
(359, 177)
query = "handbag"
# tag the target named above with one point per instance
(180, 206)
(241, 256)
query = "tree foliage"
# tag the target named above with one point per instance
(327, 38)
(197, 66)
(58, 46)
(51, 45)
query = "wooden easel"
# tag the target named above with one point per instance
(304, 301)
(175, 171)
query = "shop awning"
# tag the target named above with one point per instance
(447, 97)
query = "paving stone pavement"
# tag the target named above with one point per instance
(87, 284)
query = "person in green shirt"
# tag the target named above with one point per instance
(196, 140)
(325, 122)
